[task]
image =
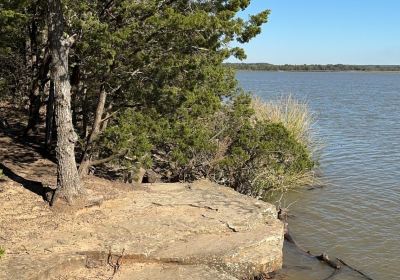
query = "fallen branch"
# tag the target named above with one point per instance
(110, 158)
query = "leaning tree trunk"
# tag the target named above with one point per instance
(68, 182)
(86, 157)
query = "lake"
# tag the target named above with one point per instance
(356, 216)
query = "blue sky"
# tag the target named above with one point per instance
(327, 31)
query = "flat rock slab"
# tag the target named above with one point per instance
(163, 231)
(157, 231)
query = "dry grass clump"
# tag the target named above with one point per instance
(300, 122)
(282, 183)
(293, 114)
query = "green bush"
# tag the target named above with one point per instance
(258, 156)
(232, 146)
(2, 252)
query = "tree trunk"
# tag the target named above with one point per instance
(107, 117)
(68, 182)
(98, 116)
(86, 157)
(50, 117)
(39, 79)
(85, 112)
(34, 110)
(34, 94)
(75, 81)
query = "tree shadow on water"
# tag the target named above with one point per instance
(34, 186)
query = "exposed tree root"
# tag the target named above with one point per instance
(354, 269)
(337, 264)
(333, 274)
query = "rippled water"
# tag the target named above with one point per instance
(357, 217)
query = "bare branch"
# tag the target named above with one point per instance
(110, 158)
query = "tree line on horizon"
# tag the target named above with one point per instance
(313, 67)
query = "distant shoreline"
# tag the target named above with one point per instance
(322, 71)
(314, 67)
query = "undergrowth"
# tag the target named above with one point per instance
(253, 146)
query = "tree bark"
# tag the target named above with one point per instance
(68, 182)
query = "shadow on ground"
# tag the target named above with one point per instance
(34, 186)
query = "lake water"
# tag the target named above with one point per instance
(357, 215)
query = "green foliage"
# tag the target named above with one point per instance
(12, 25)
(132, 134)
(232, 147)
(171, 103)
(166, 61)
(19, 19)
(177, 101)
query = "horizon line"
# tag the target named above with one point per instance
(313, 64)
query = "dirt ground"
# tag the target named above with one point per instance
(24, 213)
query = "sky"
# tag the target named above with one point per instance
(326, 32)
